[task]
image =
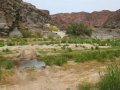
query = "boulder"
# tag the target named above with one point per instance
(28, 53)
(15, 33)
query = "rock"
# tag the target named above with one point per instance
(28, 54)
(16, 13)
(3, 26)
(4, 29)
(15, 33)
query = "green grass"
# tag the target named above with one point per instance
(86, 86)
(100, 42)
(6, 69)
(68, 40)
(111, 79)
(81, 56)
(6, 63)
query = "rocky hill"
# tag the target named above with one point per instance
(113, 21)
(17, 16)
(105, 24)
(95, 19)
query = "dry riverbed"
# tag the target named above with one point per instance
(66, 77)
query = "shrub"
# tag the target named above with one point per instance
(79, 29)
(111, 79)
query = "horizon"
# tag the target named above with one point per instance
(75, 6)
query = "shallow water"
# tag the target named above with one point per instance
(32, 63)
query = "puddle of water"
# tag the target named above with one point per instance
(32, 63)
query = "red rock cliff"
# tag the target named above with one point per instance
(96, 19)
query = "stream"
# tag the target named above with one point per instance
(32, 63)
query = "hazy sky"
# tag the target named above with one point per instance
(61, 6)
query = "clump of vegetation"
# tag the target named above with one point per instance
(54, 49)
(6, 63)
(69, 50)
(55, 60)
(6, 50)
(79, 29)
(2, 43)
(9, 64)
(111, 79)
(86, 86)
(28, 34)
(6, 69)
(96, 47)
(63, 47)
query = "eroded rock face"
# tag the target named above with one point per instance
(114, 21)
(16, 13)
(95, 19)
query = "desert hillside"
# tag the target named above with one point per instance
(95, 19)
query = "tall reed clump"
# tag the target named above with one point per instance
(111, 79)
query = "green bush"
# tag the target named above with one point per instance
(79, 29)
(111, 79)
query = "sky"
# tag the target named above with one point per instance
(68, 6)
